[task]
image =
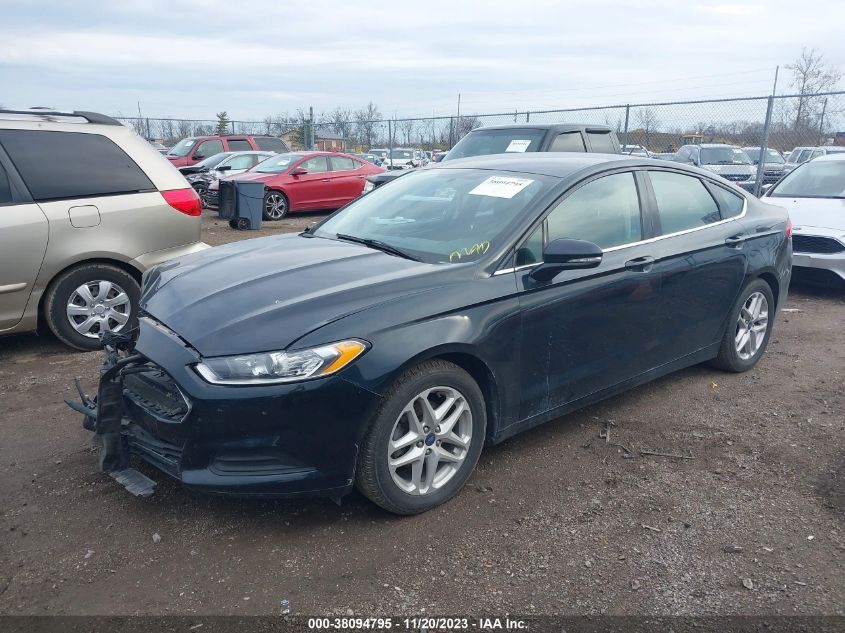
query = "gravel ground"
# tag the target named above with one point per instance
(555, 520)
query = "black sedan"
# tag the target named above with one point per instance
(384, 347)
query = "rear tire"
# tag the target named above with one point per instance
(749, 328)
(275, 206)
(437, 459)
(113, 304)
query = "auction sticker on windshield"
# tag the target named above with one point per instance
(501, 187)
(518, 145)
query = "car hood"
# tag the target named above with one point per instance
(264, 294)
(729, 169)
(827, 213)
(249, 176)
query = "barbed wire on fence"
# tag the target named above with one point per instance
(795, 120)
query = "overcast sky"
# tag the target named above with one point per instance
(187, 58)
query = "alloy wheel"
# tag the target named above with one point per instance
(751, 325)
(430, 440)
(275, 206)
(98, 306)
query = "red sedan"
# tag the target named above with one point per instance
(306, 181)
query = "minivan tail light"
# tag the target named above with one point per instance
(183, 200)
(789, 227)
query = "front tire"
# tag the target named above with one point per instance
(749, 328)
(90, 299)
(424, 440)
(275, 206)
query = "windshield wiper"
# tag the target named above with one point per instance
(376, 244)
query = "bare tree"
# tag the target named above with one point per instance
(365, 123)
(810, 75)
(648, 122)
(406, 128)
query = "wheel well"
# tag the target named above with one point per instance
(770, 279)
(136, 275)
(482, 375)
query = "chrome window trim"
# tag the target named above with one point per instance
(651, 239)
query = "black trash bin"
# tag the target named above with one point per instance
(241, 203)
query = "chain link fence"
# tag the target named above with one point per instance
(781, 122)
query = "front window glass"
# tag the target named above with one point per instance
(315, 165)
(484, 142)
(724, 156)
(441, 216)
(182, 147)
(803, 156)
(209, 148)
(817, 179)
(212, 161)
(244, 161)
(276, 164)
(605, 211)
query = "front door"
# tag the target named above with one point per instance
(311, 190)
(587, 330)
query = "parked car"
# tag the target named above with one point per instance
(636, 150)
(540, 137)
(801, 155)
(192, 150)
(386, 346)
(814, 195)
(87, 207)
(404, 158)
(380, 153)
(304, 181)
(201, 175)
(729, 161)
(370, 158)
(772, 165)
(665, 156)
(160, 148)
(519, 138)
(438, 156)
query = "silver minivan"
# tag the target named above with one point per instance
(86, 206)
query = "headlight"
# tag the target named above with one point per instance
(280, 367)
(368, 187)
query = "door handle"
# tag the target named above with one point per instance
(325, 179)
(735, 241)
(640, 264)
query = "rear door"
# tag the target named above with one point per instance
(348, 179)
(311, 190)
(568, 142)
(24, 229)
(239, 145)
(702, 259)
(603, 142)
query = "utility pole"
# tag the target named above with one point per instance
(821, 122)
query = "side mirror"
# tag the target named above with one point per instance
(224, 168)
(298, 171)
(566, 254)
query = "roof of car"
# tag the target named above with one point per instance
(557, 164)
(544, 126)
(713, 145)
(838, 156)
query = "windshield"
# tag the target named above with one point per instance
(440, 215)
(816, 179)
(724, 156)
(381, 153)
(402, 153)
(276, 164)
(182, 147)
(213, 161)
(482, 142)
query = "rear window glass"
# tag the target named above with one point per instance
(270, 144)
(601, 142)
(239, 145)
(730, 204)
(72, 165)
(683, 202)
(341, 163)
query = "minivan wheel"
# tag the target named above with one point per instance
(424, 440)
(749, 328)
(89, 299)
(275, 205)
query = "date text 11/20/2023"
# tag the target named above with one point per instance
(417, 623)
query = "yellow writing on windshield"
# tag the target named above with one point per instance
(475, 249)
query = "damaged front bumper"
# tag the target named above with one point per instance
(270, 441)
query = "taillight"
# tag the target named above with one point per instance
(789, 227)
(183, 200)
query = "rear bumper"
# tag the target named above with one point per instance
(273, 441)
(148, 260)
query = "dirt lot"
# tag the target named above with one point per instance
(553, 521)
